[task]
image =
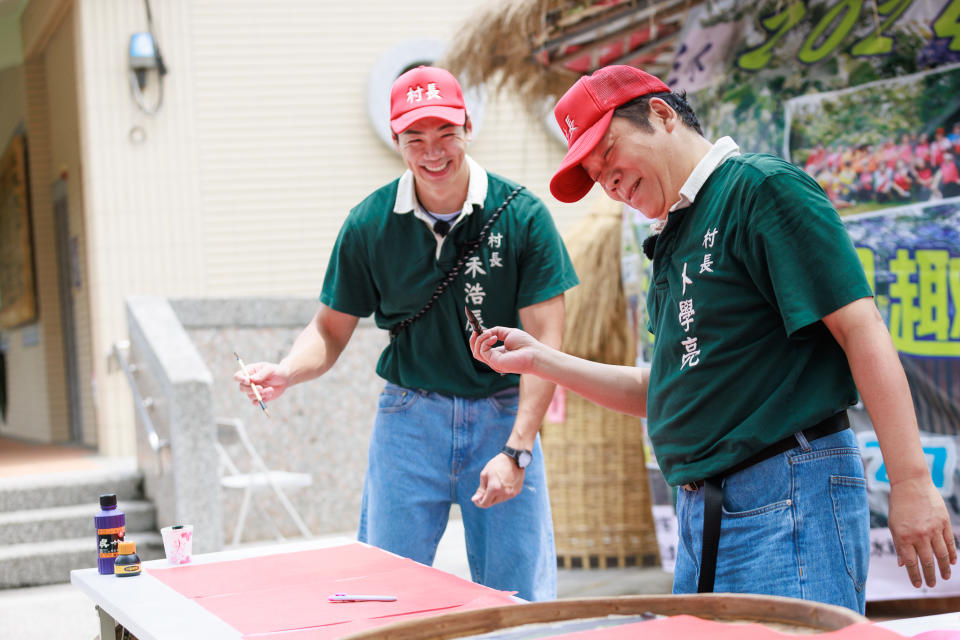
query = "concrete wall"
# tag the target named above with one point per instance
(320, 427)
(180, 476)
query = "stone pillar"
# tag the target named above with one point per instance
(182, 477)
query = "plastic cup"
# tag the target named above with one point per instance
(178, 543)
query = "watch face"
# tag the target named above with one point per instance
(524, 459)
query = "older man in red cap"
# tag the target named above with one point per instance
(444, 236)
(765, 330)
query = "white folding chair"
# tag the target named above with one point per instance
(259, 477)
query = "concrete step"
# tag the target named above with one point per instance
(60, 523)
(50, 562)
(20, 493)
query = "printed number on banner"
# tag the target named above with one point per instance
(836, 25)
(947, 25)
(877, 43)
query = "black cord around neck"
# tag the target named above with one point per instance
(440, 227)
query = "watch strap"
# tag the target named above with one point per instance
(515, 454)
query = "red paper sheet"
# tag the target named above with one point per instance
(282, 569)
(289, 592)
(690, 628)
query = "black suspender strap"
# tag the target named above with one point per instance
(712, 512)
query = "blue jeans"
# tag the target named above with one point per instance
(796, 525)
(427, 451)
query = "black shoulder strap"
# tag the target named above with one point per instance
(467, 251)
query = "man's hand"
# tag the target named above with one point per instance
(270, 379)
(500, 480)
(515, 355)
(921, 531)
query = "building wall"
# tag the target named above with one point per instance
(60, 72)
(239, 184)
(28, 414)
(140, 182)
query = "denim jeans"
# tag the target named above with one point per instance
(796, 525)
(427, 451)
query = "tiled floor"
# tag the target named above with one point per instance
(20, 458)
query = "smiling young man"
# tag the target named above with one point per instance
(765, 330)
(448, 429)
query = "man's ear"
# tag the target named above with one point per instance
(660, 110)
(396, 141)
(468, 129)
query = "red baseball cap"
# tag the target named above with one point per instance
(426, 92)
(584, 113)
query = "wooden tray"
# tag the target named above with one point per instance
(785, 614)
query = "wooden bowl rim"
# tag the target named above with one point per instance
(723, 607)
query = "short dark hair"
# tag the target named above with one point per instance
(637, 110)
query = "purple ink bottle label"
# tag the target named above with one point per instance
(111, 526)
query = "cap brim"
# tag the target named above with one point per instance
(453, 115)
(570, 182)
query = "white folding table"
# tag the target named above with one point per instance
(151, 610)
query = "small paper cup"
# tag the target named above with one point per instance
(178, 543)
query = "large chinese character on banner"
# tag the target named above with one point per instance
(865, 97)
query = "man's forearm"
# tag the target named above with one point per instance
(535, 396)
(883, 387)
(620, 388)
(318, 346)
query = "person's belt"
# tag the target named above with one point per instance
(713, 492)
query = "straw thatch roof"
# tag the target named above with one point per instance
(538, 48)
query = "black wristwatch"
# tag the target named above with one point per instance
(523, 457)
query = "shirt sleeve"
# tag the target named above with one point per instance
(546, 269)
(798, 252)
(348, 285)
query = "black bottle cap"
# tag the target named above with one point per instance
(108, 500)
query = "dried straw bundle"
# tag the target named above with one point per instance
(596, 325)
(494, 46)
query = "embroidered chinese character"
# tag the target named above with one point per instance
(479, 314)
(495, 240)
(475, 293)
(415, 95)
(686, 314)
(706, 264)
(432, 92)
(495, 260)
(570, 126)
(692, 356)
(684, 279)
(473, 267)
(709, 237)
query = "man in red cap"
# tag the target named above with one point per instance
(764, 322)
(444, 236)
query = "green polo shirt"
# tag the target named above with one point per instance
(386, 263)
(741, 280)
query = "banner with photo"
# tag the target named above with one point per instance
(865, 96)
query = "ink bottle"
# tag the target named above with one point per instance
(127, 562)
(111, 526)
